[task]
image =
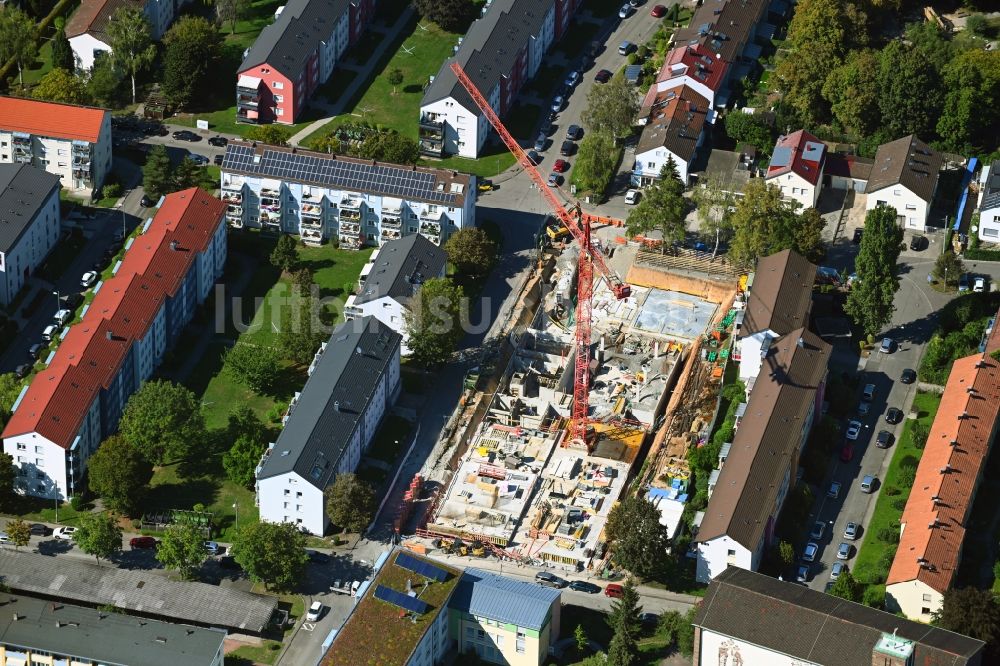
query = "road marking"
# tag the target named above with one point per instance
(308, 626)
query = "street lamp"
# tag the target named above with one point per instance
(237, 507)
(58, 299)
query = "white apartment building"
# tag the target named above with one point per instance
(87, 26)
(29, 224)
(353, 381)
(70, 141)
(989, 204)
(320, 197)
(905, 177)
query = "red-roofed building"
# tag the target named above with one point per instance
(70, 141)
(937, 511)
(135, 317)
(692, 66)
(797, 167)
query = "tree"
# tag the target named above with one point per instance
(846, 587)
(971, 110)
(182, 549)
(638, 540)
(807, 235)
(256, 367)
(301, 331)
(62, 52)
(156, 174)
(661, 209)
(870, 301)
(60, 85)
(188, 174)
(947, 268)
(580, 635)
(975, 613)
(17, 38)
(271, 553)
(626, 622)
(104, 82)
(119, 474)
(99, 535)
(394, 77)
(285, 253)
(18, 532)
(786, 553)
(902, 70)
(243, 421)
(685, 633)
(750, 128)
(275, 135)
(240, 461)
(434, 321)
(193, 48)
(8, 474)
(10, 388)
(350, 503)
(164, 421)
(853, 93)
(471, 250)
(714, 206)
(764, 223)
(596, 161)
(231, 11)
(450, 15)
(611, 108)
(389, 147)
(131, 42)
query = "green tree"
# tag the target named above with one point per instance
(131, 42)
(8, 474)
(596, 161)
(750, 128)
(764, 223)
(10, 388)
(17, 38)
(285, 253)
(931, 42)
(786, 553)
(62, 52)
(611, 108)
(434, 321)
(390, 147)
(156, 174)
(301, 331)
(274, 135)
(193, 49)
(105, 81)
(182, 549)
(948, 268)
(662, 209)
(119, 474)
(902, 70)
(580, 636)
(99, 535)
(256, 367)
(450, 15)
(638, 540)
(350, 503)
(971, 110)
(846, 587)
(394, 77)
(240, 461)
(231, 11)
(18, 532)
(164, 421)
(244, 421)
(714, 206)
(187, 175)
(625, 620)
(471, 250)
(853, 93)
(974, 613)
(685, 633)
(870, 301)
(271, 553)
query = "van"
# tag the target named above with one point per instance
(614, 590)
(626, 47)
(867, 483)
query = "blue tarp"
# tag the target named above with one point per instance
(966, 179)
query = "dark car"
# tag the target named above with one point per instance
(147, 201)
(73, 300)
(909, 376)
(602, 76)
(35, 350)
(22, 370)
(541, 142)
(38, 529)
(317, 557)
(143, 542)
(584, 586)
(574, 132)
(893, 415)
(858, 233)
(658, 11)
(918, 243)
(847, 453)
(533, 157)
(186, 135)
(567, 148)
(218, 159)
(218, 141)
(884, 439)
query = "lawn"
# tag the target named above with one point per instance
(869, 566)
(262, 654)
(545, 81)
(34, 509)
(34, 72)
(653, 643)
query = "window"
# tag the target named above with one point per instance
(279, 99)
(927, 598)
(925, 611)
(279, 112)
(480, 634)
(896, 193)
(298, 507)
(39, 462)
(287, 491)
(499, 640)
(911, 207)
(519, 643)
(285, 505)
(278, 85)
(298, 494)
(20, 460)
(470, 633)
(21, 447)
(39, 449)
(993, 233)
(731, 553)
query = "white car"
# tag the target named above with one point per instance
(88, 279)
(572, 79)
(625, 11)
(4, 538)
(632, 197)
(50, 332)
(809, 554)
(853, 430)
(819, 528)
(837, 569)
(64, 533)
(62, 316)
(212, 547)
(314, 612)
(979, 285)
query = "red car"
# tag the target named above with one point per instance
(143, 542)
(659, 11)
(603, 76)
(560, 166)
(847, 453)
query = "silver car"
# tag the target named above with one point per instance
(851, 531)
(844, 551)
(837, 569)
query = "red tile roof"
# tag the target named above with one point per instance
(694, 61)
(63, 121)
(92, 16)
(121, 312)
(799, 152)
(941, 497)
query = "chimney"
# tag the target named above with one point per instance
(336, 405)
(173, 245)
(109, 335)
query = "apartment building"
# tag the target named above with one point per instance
(796, 167)
(137, 315)
(905, 177)
(391, 279)
(989, 204)
(673, 129)
(502, 620)
(357, 202)
(73, 142)
(500, 52)
(29, 224)
(760, 469)
(35, 631)
(86, 28)
(295, 55)
(353, 382)
(749, 618)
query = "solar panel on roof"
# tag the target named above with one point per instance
(425, 569)
(813, 151)
(782, 156)
(404, 601)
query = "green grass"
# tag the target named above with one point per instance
(494, 160)
(867, 566)
(391, 440)
(339, 80)
(262, 654)
(34, 72)
(40, 510)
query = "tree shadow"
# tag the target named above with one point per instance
(182, 494)
(412, 88)
(53, 547)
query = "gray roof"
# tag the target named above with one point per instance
(289, 42)
(108, 638)
(332, 402)
(144, 592)
(908, 162)
(991, 193)
(489, 50)
(503, 599)
(828, 630)
(410, 183)
(23, 191)
(400, 266)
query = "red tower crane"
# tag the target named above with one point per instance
(590, 256)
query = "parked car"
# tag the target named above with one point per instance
(847, 453)
(547, 128)
(143, 542)
(35, 350)
(868, 483)
(200, 160)
(219, 141)
(545, 577)
(853, 430)
(614, 590)
(809, 554)
(212, 547)
(909, 376)
(918, 243)
(864, 407)
(557, 104)
(602, 76)
(584, 586)
(4, 538)
(893, 415)
(146, 201)
(802, 574)
(73, 300)
(533, 157)
(888, 346)
(884, 439)
(22, 370)
(632, 197)
(314, 612)
(819, 528)
(560, 166)
(218, 159)
(64, 533)
(635, 3)
(844, 551)
(62, 316)
(88, 279)
(658, 11)
(868, 393)
(572, 79)
(186, 135)
(851, 531)
(39, 529)
(626, 47)
(625, 11)
(50, 332)
(555, 180)
(567, 148)
(963, 282)
(485, 185)
(979, 285)
(837, 569)
(574, 132)
(540, 142)
(834, 491)
(858, 233)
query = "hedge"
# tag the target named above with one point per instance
(977, 254)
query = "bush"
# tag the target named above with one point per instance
(899, 503)
(111, 190)
(918, 435)
(981, 255)
(907, 475)
(892, 491)
(889, 534)
(632, 58)
(874, 596)
(276, 412)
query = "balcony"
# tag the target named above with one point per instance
(393, 209)
(311, 236)
(311, 210)
(247, 98)
(350, 242)
(81, 173)
(391, 234)
(431, 217)
(21, 139)
(350, 215)
(431, 136)
(392, 223)
(247, 116)
(311, 223)
(350, 228)
(81, 148)
(232, 197)
(270, 204)
(232, 209)
(270, 220)
(267, 192)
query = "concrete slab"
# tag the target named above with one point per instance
(675, 314)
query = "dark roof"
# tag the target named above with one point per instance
(108, 638)
(800, 153)
(332, 402)
(489, 49)
(908, 162)
(411, 183)
(506, 600)
(767, 440)
(92, 16)
(991, 193)
(289, 42)
(819, 628)
(676, 119)
(848, 166)
(23, 192)
(724, 27)
(400, 265)
(781, 293)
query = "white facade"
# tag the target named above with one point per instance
(332, 48)
(750, 360)
(85, 48)
(713, 646)
(679, 78)
(31, 249)
(649, 164)
(911, 210)
(161, 14)
(387, 310)
(989, 225)
(796, 188)
(915, 599)
(715, 555)
(465, 130)
(81, 165)
(292, 499)
(435, 644)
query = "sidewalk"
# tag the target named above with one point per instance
(337, 108)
